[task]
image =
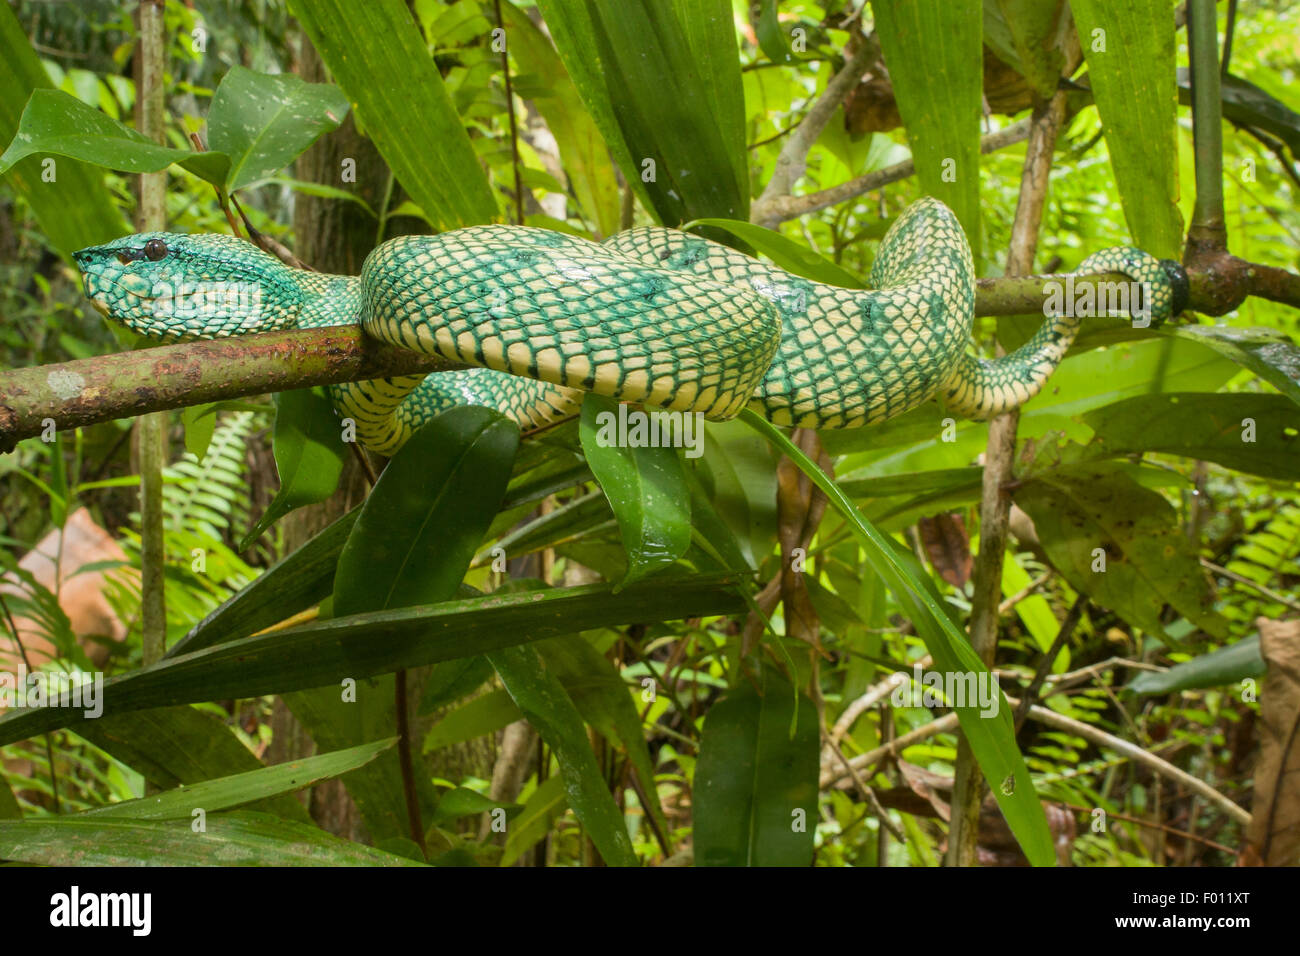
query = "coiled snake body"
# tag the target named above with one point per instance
(653, 316)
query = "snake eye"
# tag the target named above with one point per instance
(155, 249)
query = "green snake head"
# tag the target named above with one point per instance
(172, 286)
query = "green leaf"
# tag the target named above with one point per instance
(662, 82)
(545, 804)
(740, 475)
(933, 50)
(463, 802)
(585, 156)
(1205, 426)
(225, 793)
(1035, 30)
(431, 507)
(605, 702)
(200, 422)
(755, 792)
(1130, 48)
(992, 740)
(78, 211)
(452, 680)
(325, 651)
(177, 746)
(376, 54)
(410, 545)
(264, 121)
(1227, 665)
(55, 122)
(771, 38)
(549, 709)
(9, 808)
(309, 452)
(240, 838)
(480, 715)
(1269, 354)
(786, 253)
(1148, 560)
(298, 581)
(645, 487)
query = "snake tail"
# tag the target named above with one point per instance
(980, 389)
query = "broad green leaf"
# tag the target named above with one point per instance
(1257, 434)
(376, 54)
(225, 793)
(1119, 543)
(418, 529)
(9, 808)
(665, 95)
(1036, 32)
(480, 715)
(463, 802)
(1269, 354)
(1130, 48)
(586, 159)
(740, 475)
(309, 452)
(452, 680)
(933, 50)
(786, 253)
(76, 209)
(362, 645)
(264, 121)
(754, 800)
(200, 422)
(179, 746)
(605, 702)
(548, 707)
(991, 739)
(296, 582)
(54, 122)
(645, 487)
(710, 29)
(410, 545)
(239, 838)
(1227, 665)
(571, 519)
(771, 38)
(540, 810)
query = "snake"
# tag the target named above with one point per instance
(659, 317)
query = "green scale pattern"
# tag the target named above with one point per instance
(652, 316)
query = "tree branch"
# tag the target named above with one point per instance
(89, 391)
(792, 161)
(771, 210)
(100, 389)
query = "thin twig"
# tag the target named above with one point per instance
(793, 158)
(1163, 767)
(27, 662)
(404, 758)
(1233, 575)
(1030, 692)
(881, 813)
(771, 211)
(514, 126)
